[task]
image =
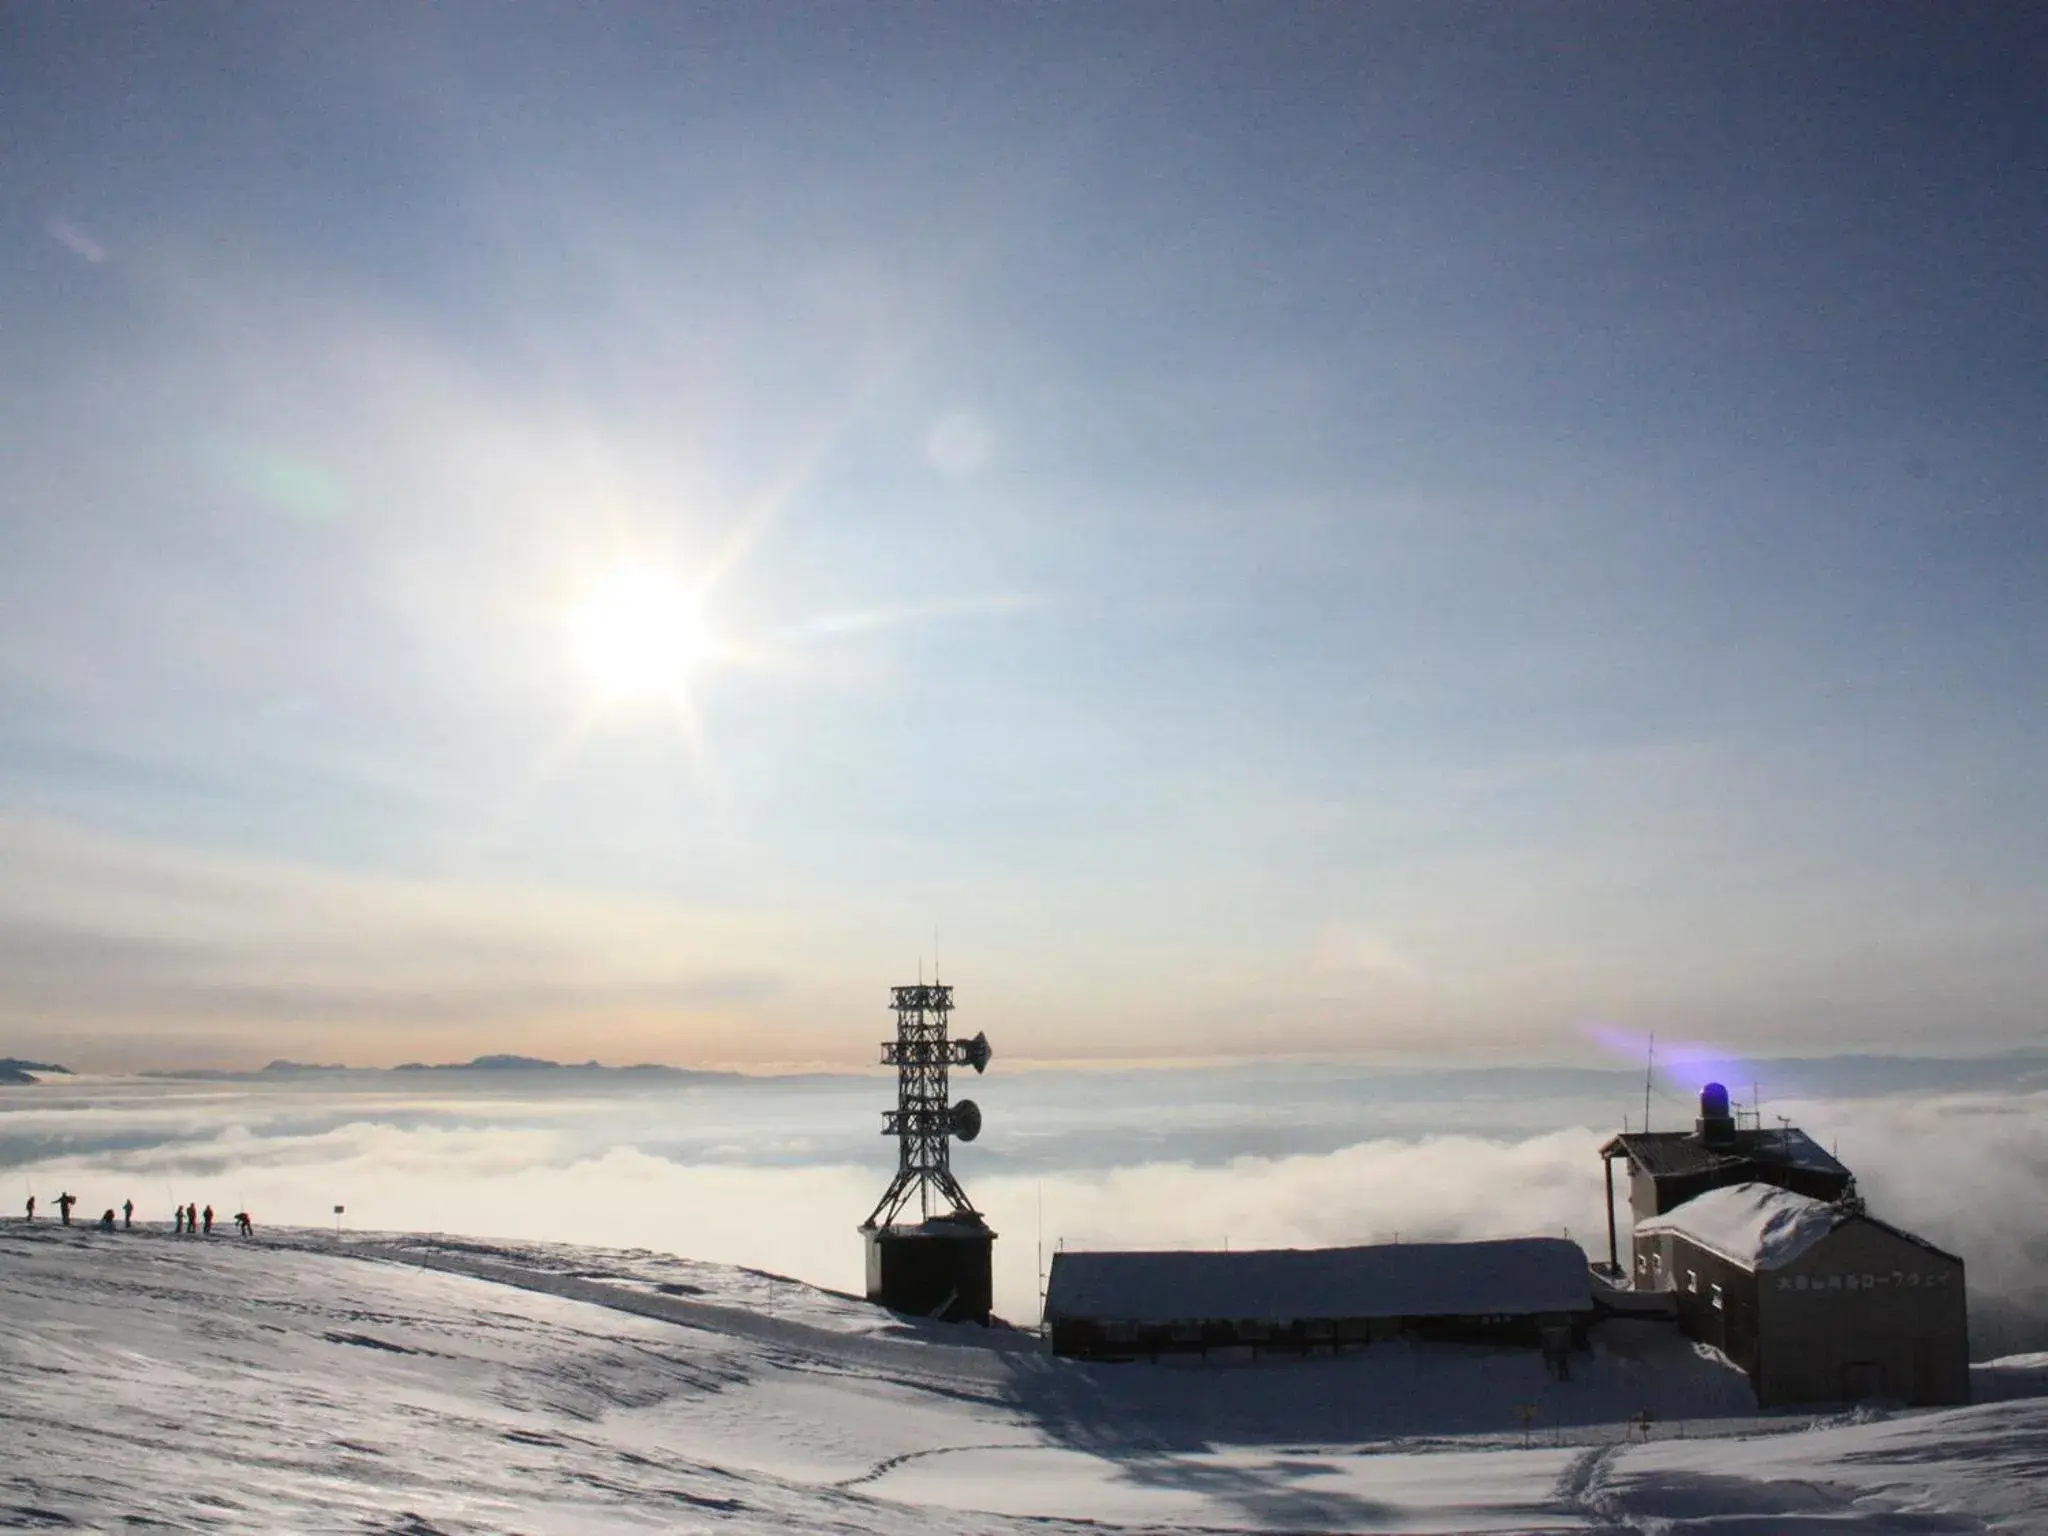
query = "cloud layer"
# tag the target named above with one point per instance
(777, 1175)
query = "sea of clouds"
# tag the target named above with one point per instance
(777, 1173)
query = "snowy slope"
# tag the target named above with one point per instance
(423, 1385)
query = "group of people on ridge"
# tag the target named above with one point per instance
(190, 1218)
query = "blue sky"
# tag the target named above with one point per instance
(1409, 530)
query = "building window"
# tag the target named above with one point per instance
(1716, 1289)
(1692, 1281)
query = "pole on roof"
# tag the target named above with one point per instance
(1613, 1243)
(1041, 1251)
(1649, 1066)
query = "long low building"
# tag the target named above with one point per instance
(1817, 1301)
(1526, 1290)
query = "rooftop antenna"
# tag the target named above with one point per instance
(1648, 1067)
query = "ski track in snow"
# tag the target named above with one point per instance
(439, 1386)
(889, 1464)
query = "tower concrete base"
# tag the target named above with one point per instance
(940, 1268)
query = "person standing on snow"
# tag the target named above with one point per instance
(64, 1203)
(209, 1221)
(181, 1221)
(243, 1224)
(31, 1207)
(127, 1215)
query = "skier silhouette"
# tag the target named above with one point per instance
(209, 1221)
(243, 1225)
(64, 1203)
(191, 1221)
(127, 1215)
(181, 1221)
(31, 1207)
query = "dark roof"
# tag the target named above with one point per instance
(1679, 1154)
(1514, 1277)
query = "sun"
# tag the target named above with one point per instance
(640, 635)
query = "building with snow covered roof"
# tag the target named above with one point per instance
(1668, 1168)
(1818, 1302)
(1527, 1290)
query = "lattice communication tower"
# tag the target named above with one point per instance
(924, 1120)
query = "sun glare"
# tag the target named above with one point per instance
(640, 635)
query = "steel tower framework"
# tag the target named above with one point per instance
(924, 1119)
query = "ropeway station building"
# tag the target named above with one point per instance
(1760, 1246)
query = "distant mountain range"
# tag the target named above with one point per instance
(14, 1071)
(500, 1062)
(506, 1063)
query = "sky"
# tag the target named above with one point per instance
(1418, 532)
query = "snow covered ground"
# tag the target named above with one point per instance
(416, 1385)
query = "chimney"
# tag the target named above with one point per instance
(1716, 1126)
